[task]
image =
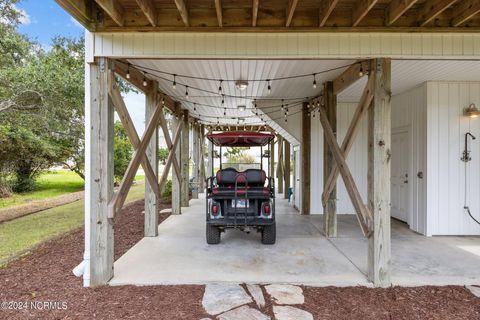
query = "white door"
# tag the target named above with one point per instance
(400, 178)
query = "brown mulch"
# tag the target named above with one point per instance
(33, 206)
(46, 276)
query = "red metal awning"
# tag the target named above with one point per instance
(240, 138)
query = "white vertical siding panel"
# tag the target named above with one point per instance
(446, 177)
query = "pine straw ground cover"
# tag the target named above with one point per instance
(45, 275)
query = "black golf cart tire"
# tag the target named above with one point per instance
(213, 234)
(269, 234)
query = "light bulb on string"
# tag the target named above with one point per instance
(282, 105)
(163, 101)
(224, 111)
(286, 109)
(128, 71)
(220, 87)
(194, 107)
(269, 87)
(145, 79)
(174, 84)
(186, 92)
(360, 73)
(223, 99)
(314, 82)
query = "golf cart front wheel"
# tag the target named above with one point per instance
(213, 235)
(269, 234)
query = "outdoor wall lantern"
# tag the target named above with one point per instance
(471, 111)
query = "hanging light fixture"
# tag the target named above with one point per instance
(186, 92)
(314, 81)
(241, 84)
(145, 79)
(472, 111)
(269, 87)
(174, 84)
(220, 87)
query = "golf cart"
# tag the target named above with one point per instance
(244, 197)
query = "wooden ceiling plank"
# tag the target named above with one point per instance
(182, 9)
(466, 10)
(113, 9)
(218, 8)
(80, 10)
(254, 13)
(149, 11)
(362, 9)
(397, 8)
(292, 4)
(431, 9)
(326, 8)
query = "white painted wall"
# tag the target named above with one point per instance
(446, 127)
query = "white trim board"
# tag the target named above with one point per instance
(292, 45)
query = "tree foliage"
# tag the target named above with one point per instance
(122, 151)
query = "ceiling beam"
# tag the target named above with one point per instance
(326, 8)
(218, 8)
(292, 4)
(362, 8)
(350, 76)
(113, 9)
(397, 8)
(431, 9)
(182, 9)
(149, 11)
(80, 10)
(254, 13)
(466, 10)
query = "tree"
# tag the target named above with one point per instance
(238, 155)
(122, 151)
(163, 155)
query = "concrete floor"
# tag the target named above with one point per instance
(302, 255)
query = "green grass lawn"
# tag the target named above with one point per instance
(49, 185)
(21, 234)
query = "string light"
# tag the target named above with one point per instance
(194, 106)
(225, 111)
(163, 101)
(128, 71)
(145, 79)
(282, 105)
(314, 82)
(220, 87)
(269, 87)
(223, 99)
(174, 84)
(361, 71)
(186, 92)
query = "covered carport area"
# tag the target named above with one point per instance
(116, 48)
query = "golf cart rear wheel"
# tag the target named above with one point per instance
(269, 234)
(213, 235)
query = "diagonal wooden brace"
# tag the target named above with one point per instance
(127, 123)
(119, 197)
(168, 141)
(363, 212)
(171, 159)
(347, 143)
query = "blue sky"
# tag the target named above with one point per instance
(45, 19)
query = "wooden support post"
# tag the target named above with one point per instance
(286, 161)
(185, 160)
(151, 201)
(201, 151)
(379, 153)
(272, 160)
(176, 176)
(211, 165)
(305, 158)
(330, 207)
(98, 173)
(195, 160)
(280, 164)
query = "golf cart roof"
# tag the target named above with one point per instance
(240, 138)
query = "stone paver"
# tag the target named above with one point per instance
(474, 290)
(221, 297)
(286, 293)
(291, 313)
(243, 313)
(257, 294)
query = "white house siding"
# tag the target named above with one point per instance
(409, 114)
(446, 127)
(298, 45)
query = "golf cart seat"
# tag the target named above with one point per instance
(251, 181)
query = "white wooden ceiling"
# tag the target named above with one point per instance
(406, 74)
